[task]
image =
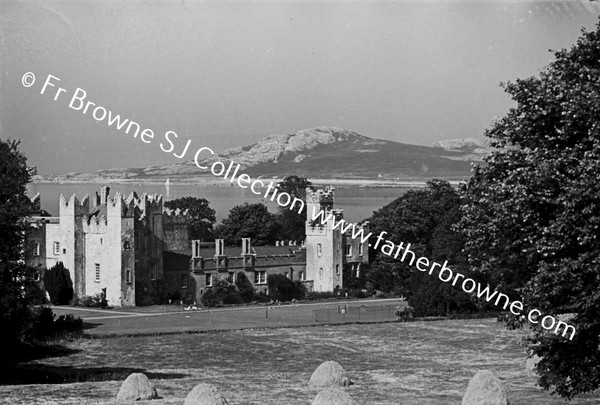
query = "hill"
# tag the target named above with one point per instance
(324, 153)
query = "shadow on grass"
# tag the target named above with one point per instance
(46, 374)
(90, 325)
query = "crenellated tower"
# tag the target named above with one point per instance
(324, 260)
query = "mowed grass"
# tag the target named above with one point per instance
(391, 363)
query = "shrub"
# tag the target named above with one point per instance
(93, 301)
(245, 287)
(315, 295)
(222, 292)
(68, 325)
(282, 288)
(44, 325)
(58, 284)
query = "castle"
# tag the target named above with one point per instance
(136, 250)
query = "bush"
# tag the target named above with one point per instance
(245, 287)
(260, 297)
(93, 301)
(357, 293)
(315, 295)
(222, 292)
(45, 327)
(57, 282)
(282, 288)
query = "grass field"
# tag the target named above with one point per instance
(390, 363)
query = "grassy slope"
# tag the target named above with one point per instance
(394, 363)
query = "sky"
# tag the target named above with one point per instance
(226, 74)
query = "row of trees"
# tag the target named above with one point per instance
(247, 220)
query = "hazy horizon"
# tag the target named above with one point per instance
(229, 73)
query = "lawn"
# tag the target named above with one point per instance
(390, 363)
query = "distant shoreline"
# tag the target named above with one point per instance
(207, 181)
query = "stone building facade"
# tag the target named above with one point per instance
(318, 263)
(139, 251)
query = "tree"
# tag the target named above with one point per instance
(16, 279)
(249, 221)
(203, 216)
(532, 211)
(292, 221)
(57, 282)
(425, 219)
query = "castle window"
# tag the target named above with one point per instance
(209, 279)
(339, 246)
(337, 269)
(97, 279)
(321, 272)
(64, 251)
(36, 249)
(184, 281)
(348, 250)
(153, 271)
(101, 241)
(260, 277)
(126, 245)
(360, 249)
(319, 249)
(128, 276)
(56, 248)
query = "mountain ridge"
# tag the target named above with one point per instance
(321, 152)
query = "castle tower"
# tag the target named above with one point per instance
(324, 260)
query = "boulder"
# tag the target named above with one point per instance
(485, 388)
(205, 394)
(327, 374)
(333, 396)
(136, 387)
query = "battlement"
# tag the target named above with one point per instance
(73, 206)
(150, 204)
(326, 195)
(95, 224)
(37, 202)
(176, 216)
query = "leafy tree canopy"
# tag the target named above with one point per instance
(16, 279)
(293, 222)
(203, 216)
(249, 221)
(425, 219)
(532, 212)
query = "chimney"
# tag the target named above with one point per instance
(219, 247)
(195, 249)
(104, 190)
(246, 246)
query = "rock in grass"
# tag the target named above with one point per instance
(531, 364)
(333, 396)
(485, 389)
(205, 394)
(327, 374)
(136, 387)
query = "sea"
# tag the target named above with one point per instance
(358, 203)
